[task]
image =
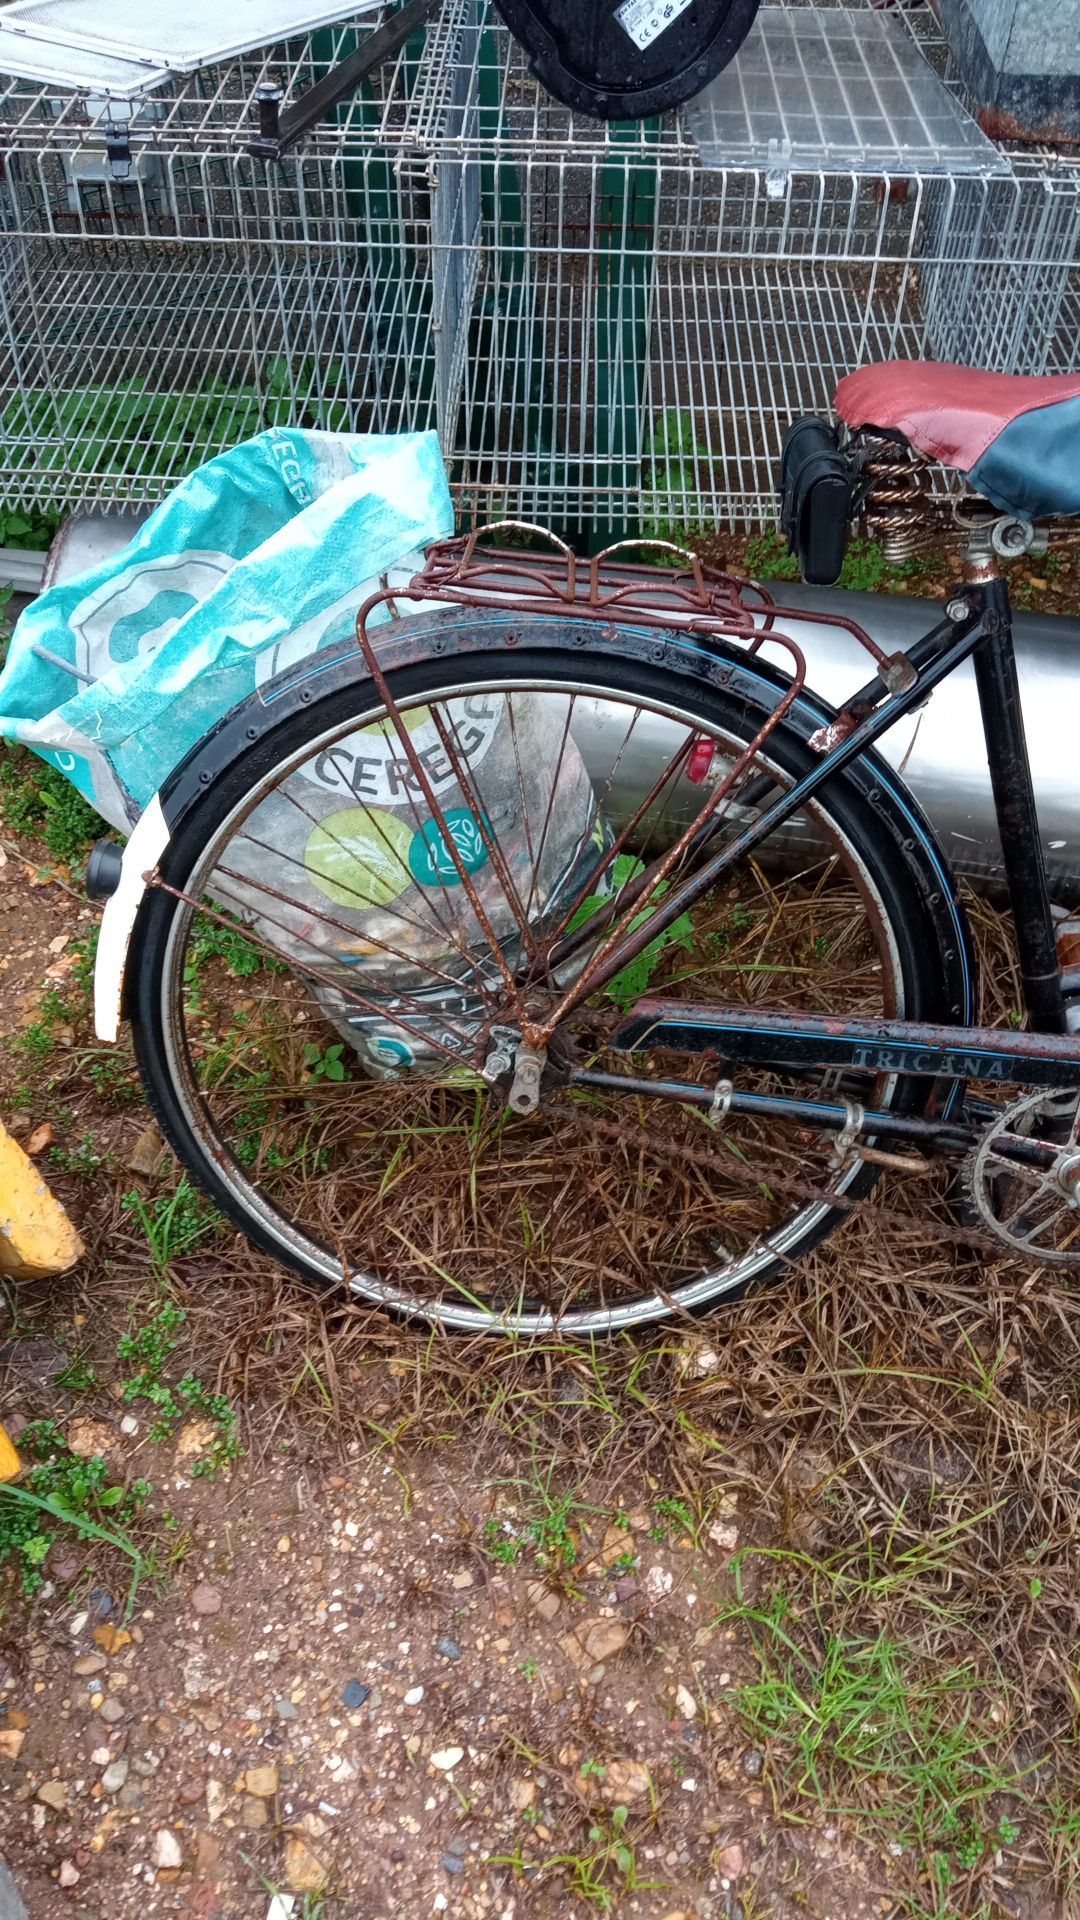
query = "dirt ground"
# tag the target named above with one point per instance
(775, 1614)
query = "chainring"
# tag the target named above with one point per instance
(1032, 1209)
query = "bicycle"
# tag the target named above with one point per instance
(597, 1057)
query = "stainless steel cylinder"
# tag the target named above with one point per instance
(938, 749)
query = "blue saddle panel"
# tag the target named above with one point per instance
(1032, 469)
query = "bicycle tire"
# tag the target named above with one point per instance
(866, 805)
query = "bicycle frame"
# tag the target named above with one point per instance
(976, 624)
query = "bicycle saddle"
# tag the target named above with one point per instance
(1015, 437)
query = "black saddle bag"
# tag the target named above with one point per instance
(817, 492)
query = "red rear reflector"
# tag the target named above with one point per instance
(701, 756)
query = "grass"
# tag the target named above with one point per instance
(865, 1728)
(61, 1490)
(901, 1429)
(865, 569)
(37, 800)
(173, 1223)
(600, 1871)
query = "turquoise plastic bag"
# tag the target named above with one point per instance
(255, 561)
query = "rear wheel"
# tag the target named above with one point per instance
(330, 1094)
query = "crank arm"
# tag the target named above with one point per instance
(796, 1041)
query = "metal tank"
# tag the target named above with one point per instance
(938, 749)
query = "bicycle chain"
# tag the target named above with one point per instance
(800, 1190)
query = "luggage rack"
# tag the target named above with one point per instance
(468, 571)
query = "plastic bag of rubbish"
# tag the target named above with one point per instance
(256, 561)
(380, 918)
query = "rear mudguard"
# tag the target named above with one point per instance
(144, 850)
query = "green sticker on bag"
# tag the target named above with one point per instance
(431, 861)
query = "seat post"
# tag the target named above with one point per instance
(998, 686)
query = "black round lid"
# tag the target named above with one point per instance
(624, 59)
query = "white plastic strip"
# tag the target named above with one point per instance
(149, 839)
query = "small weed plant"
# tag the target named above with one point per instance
(601, 1871)
(326, 1063)
(62, 1490)
(547, 1528)
(148, 1348)
(37, 800)
(627, 987)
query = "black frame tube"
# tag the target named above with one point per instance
(1014, 799)
(762, 1037)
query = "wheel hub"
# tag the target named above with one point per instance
(525, 1071)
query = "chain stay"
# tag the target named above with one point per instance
(631, 1137)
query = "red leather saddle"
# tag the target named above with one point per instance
(1015, 437)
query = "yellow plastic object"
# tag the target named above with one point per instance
(10, 1464)
(36, 1236)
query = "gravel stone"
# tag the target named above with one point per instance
(542, 1600)
(447, 1647)
(166, 1851)
(89, 1663)
(115, 1775)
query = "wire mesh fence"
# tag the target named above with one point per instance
(608, 327)
(149, 319)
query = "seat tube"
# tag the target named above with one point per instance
(998, 686)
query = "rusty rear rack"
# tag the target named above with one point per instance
(673, 588)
